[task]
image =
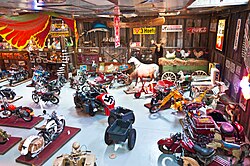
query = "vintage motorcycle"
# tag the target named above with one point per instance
(7, 92)
(4, 137)
(38, 75)
(7, 110)
(3, 74)
(77, 157)
(34, 144)
(44, 96)
(17, 76)
(179, 143)
(94, 99)
(52, 86)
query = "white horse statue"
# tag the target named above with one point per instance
(143, 70)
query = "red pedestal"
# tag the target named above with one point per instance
(20, 123)
(64, 137)
(9, 144)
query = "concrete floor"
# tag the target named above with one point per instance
(150, 128)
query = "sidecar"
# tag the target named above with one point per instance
(120, 131)
(231, 131)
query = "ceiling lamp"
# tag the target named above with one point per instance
(245, 85)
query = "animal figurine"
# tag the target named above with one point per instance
(170, 55)
(143, 70)
(198, 54)
(184, 54)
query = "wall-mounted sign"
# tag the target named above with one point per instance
(213, 25)
(59, 30)
(197, 30)
(237, 34)
(171, 28)
(220, 34)
(148, 31)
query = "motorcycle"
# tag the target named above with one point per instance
(17, 76)
(44, 96)
(93, 100)
(3, 74)
(51, 86)
(179, 143)
(38, 75)
(34, 144)
(77, 157)
(7, 110)
(4, 137)
(8, 93)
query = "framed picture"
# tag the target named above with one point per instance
(220, 34)
(242, 102)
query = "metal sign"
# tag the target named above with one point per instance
(237, 34)
(220, 34)
(197, 30)
(171, 28)
(148, 31)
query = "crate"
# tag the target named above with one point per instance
(119, 130)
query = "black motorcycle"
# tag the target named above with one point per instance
(52, 86)
(8, 93)
(44, 96)
(17, 76)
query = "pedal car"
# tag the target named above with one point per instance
(121, 113)
(119, 132)
(231, 131)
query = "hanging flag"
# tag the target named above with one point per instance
(117, 26)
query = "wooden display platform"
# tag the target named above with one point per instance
(9, 144)
(20, 123)
(4, 79)
(18, 83)
(13, 100)
(148, 105)
(64, 137)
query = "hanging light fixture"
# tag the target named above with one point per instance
(245, 85)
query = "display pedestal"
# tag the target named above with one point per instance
(9, 144)
(17, 83)
(64, 137)
(20, 123)
(148, 105)
(2, 80)
(13, 100)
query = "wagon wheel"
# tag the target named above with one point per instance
(131, 139)
(170, 76)
(199, 73)
(107, 139)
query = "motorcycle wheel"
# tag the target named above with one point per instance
(5, 114)
(77, 102)
(103, 90)
(35, 98)
(62, 121)
(25, 114)
(57, 91)
(54, 100)
(107, 139)
(153, 101)
(137, 95)
(11, 95)
(111, 119)
(131, 139)
(91, 110)
(164, 149)
(154, 108)
(28, 156)
(10, 82)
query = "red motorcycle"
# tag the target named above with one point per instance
(179, 143)
(7, 110)
(118, 77)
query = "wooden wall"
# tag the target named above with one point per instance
(231, 61)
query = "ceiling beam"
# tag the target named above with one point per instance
(114, 1)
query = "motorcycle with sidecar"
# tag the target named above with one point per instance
(48, 132)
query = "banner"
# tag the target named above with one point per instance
(117, 31)
(237, 34)
(171, 28)
(146, 31)
(197, 30)
(220, 34)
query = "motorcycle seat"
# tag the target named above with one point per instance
(43, 127)
(230, 145)
(226, 128)
(203, 151)
(48, 93)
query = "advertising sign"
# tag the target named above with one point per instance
(171, 28)
(220, 34)
(117, 31)
(213, 25)
(197, 30)
(145, 31)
